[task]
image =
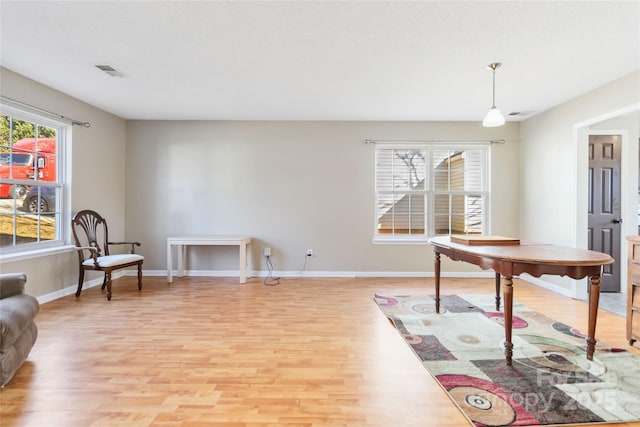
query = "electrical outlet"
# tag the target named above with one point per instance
(267, 252)
(309, 252)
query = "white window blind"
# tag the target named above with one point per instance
(427, 190)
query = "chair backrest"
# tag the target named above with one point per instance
(89, 227)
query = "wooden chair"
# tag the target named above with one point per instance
(88, 228)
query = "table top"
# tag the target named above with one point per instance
(528, 252)
(195, 239)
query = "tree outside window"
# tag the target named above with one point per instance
(30, 183)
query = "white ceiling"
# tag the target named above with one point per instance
(317, 60)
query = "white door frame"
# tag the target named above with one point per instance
(628, 185)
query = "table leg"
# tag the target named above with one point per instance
(169, 263)
(437, 280)
(508, 318)
(243, 262)
(497, 291)
(594, 299)
(181, 252)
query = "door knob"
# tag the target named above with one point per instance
(617, 221)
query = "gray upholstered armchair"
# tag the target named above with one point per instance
(17, 327)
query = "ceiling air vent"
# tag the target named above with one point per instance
(110, 70)
(520, 113)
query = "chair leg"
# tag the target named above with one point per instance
(80, 281)
(107, 278)
(104, 282)
(139, 277)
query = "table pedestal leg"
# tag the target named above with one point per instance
(437, 280)
(594, 298)
(508, 318)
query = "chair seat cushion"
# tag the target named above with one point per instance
(114, 260)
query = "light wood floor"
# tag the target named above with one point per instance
(211, 352)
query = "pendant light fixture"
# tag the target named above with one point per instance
(494, 117)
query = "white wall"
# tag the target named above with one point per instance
(553, 157)
(290, 186)
(98, 177)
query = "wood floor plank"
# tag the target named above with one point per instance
(312, 352)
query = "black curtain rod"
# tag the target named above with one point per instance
(380, 141)
(42, 110)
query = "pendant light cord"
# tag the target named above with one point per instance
(494, 87)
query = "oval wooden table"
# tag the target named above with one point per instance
(536, 259)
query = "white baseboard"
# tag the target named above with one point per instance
(427, 274)
(73, 288)
(234, 273)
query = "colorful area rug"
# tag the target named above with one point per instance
(551, 381)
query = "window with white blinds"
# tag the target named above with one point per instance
(430, 190)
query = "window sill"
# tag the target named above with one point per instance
(36, 253)
(400, 241)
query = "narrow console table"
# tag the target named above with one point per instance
(182, 242)
(532, 258)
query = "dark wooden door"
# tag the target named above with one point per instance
(605, 222)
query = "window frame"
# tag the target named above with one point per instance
(429, 191)
(62, 183)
